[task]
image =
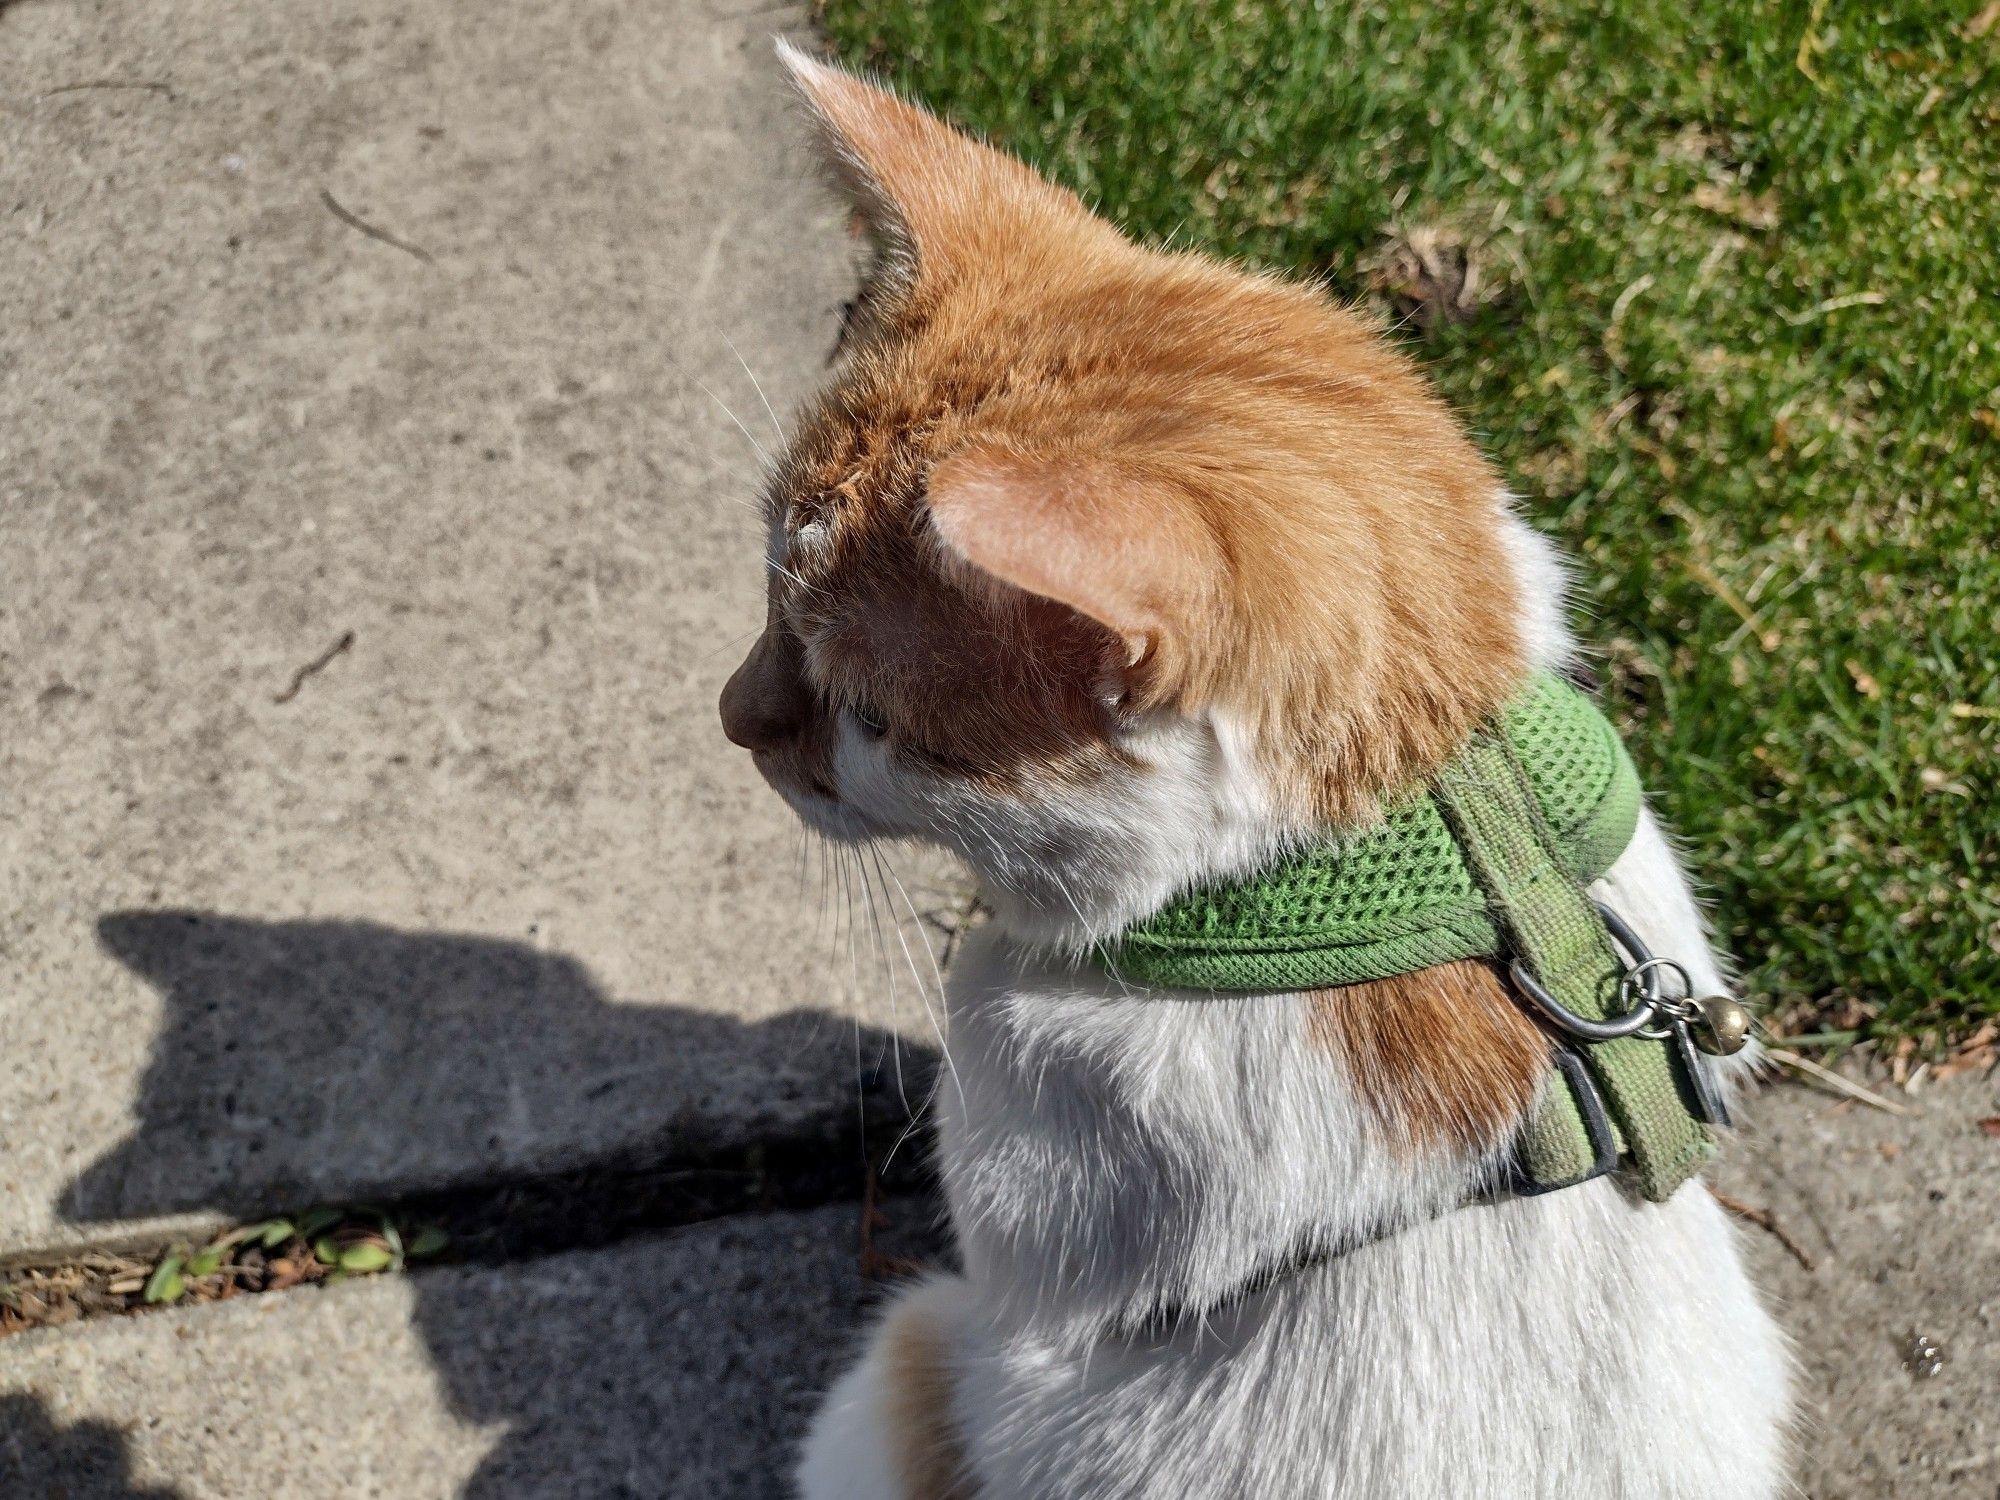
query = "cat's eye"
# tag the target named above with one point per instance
(870, 719)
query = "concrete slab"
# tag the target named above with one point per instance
(1903, 1219)
(685, 1366)
(489, 892)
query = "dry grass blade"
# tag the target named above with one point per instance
(355, 222)
(1767, 1221)
(1834, 1081)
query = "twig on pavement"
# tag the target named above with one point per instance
(1767, 1221)
(354, 221)
(147, 85)
(317, 664)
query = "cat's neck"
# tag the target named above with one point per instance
(1062, 916)
(1109, 1154)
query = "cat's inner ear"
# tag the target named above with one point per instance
(1118, 546)
(931, 198)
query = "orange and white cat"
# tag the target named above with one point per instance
(1116, 570)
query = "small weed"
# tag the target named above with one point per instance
(270, 1255)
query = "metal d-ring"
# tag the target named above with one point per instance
(1657, 1016)
(1635, 1020)
(1623, 935)
(1646, 975)
(1639, 974)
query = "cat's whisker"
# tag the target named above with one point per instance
(939, 1018)
(845, 865)
(849, 861)
(886, 871)
(800, 859)
(841, 915)
(910, 1128)
(753, 502)
(825, 917)
(888, 973)
(733, 641)
(755, 385)
(748, 436)
(784, 572)
(837, 855)
(860, 1089)
(941, 1031)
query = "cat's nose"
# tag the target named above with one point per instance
(753, 722)
(765, 701)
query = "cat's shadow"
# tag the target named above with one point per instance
(304, 1062)
(84, 1461)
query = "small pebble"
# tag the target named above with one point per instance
(1923, 1357)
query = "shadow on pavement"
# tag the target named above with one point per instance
(303, 1062)
(84, 1462)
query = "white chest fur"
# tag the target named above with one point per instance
(1105, 1154)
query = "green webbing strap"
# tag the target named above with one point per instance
(1395, 897)
(1556, 933)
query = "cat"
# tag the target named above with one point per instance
(1117, 570)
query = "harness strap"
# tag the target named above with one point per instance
(1553, 930)
(1395, 897)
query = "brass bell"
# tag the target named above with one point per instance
(1722, 1026)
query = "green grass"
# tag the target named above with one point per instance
(1742, 357)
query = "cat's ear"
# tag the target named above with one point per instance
(931, 197)
(1122, 547)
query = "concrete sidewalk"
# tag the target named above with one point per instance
(687, 1365)
(488, 894)
(682, 1366)
(1898, 1215)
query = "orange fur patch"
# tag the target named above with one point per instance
(927, 1454)
(1442, 1057)
(1058, 469)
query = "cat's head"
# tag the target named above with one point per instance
(1109, 567)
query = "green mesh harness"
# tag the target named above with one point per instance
(1490, 861)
